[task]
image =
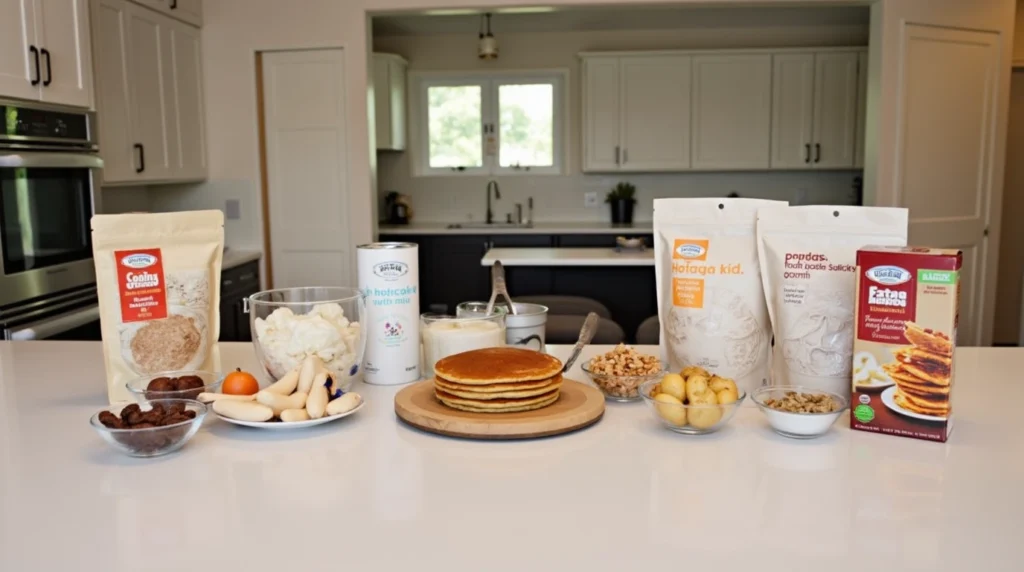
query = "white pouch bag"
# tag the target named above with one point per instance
(808, 260)
(710, 301)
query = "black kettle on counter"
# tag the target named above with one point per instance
(396, 208)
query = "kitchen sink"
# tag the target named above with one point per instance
(491, 225)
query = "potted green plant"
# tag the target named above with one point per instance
(622, 198)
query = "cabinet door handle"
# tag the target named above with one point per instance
(35, 56)
(807, 152)
(142, 157)
(625, 156)
(817, 152)
(49, 69)
(617, 155)
(174, 4)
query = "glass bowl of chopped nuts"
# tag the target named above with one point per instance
(620, 372)
(800, 412)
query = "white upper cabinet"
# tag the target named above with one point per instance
(190, 11)
(148, 64)
(150, 95)
(835, 110)
(862, 108)
(189, 128)
(723, 110)
(732, 108)
(792, 102)
(110, 32)
(601, 114)
(655, 113)
(44, 51)
(815, 110)
(18, 53)
(389, 101)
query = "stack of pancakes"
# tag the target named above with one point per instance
(923, 371)
(498, 380)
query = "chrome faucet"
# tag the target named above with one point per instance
(497, 195)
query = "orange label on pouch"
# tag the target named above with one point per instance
(690, 248)
(688, 292)
(140, 284)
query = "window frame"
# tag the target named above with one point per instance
(490, 83)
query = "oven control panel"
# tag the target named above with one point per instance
(25, 123)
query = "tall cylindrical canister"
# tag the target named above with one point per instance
(389, 275)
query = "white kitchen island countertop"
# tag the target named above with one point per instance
(368, 493)
(628, 230)
(568, 257)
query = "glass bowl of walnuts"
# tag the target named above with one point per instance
(620, 372)
(150, 428)
(175, 385)
(694, 401)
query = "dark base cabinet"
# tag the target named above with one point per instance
(450, 273)
(237, 284)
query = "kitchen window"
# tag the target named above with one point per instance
(489, 124)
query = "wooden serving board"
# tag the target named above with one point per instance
(578, 406)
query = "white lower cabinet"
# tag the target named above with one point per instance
(732, 107)
(149, 95)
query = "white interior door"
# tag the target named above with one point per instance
(67, 66)
(792, 110)
(601, 98)
(17, 65)
(655, 113)
(946, 134)
(732, 111)
(835, 109)
(307, 174)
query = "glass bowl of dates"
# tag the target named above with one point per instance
(150, 428)
(175, 385)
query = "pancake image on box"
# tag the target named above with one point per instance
(923, 371)
(498, 380)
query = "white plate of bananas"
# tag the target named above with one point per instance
(868, 375)
(304, 397)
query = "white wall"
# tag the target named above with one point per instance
(560, 198)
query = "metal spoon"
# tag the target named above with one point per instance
(498, 286)
(586, 334)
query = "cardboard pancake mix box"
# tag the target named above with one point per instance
(908, 302)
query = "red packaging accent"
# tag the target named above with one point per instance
(140, 284)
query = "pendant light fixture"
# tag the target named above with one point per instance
(488, 46)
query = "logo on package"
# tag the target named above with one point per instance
(888, 275)
(139, 260)
(391, 270)
(690, 249)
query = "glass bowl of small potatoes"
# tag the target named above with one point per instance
(694, 402)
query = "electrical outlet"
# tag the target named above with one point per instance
(233, 209)
(590, 199)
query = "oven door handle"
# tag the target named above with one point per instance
(50, 160)
(49, 327)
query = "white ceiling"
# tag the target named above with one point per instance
(618, 18)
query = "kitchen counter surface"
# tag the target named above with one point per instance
(234, 258)
(567, 257)
(368, 493)
(537, 228)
